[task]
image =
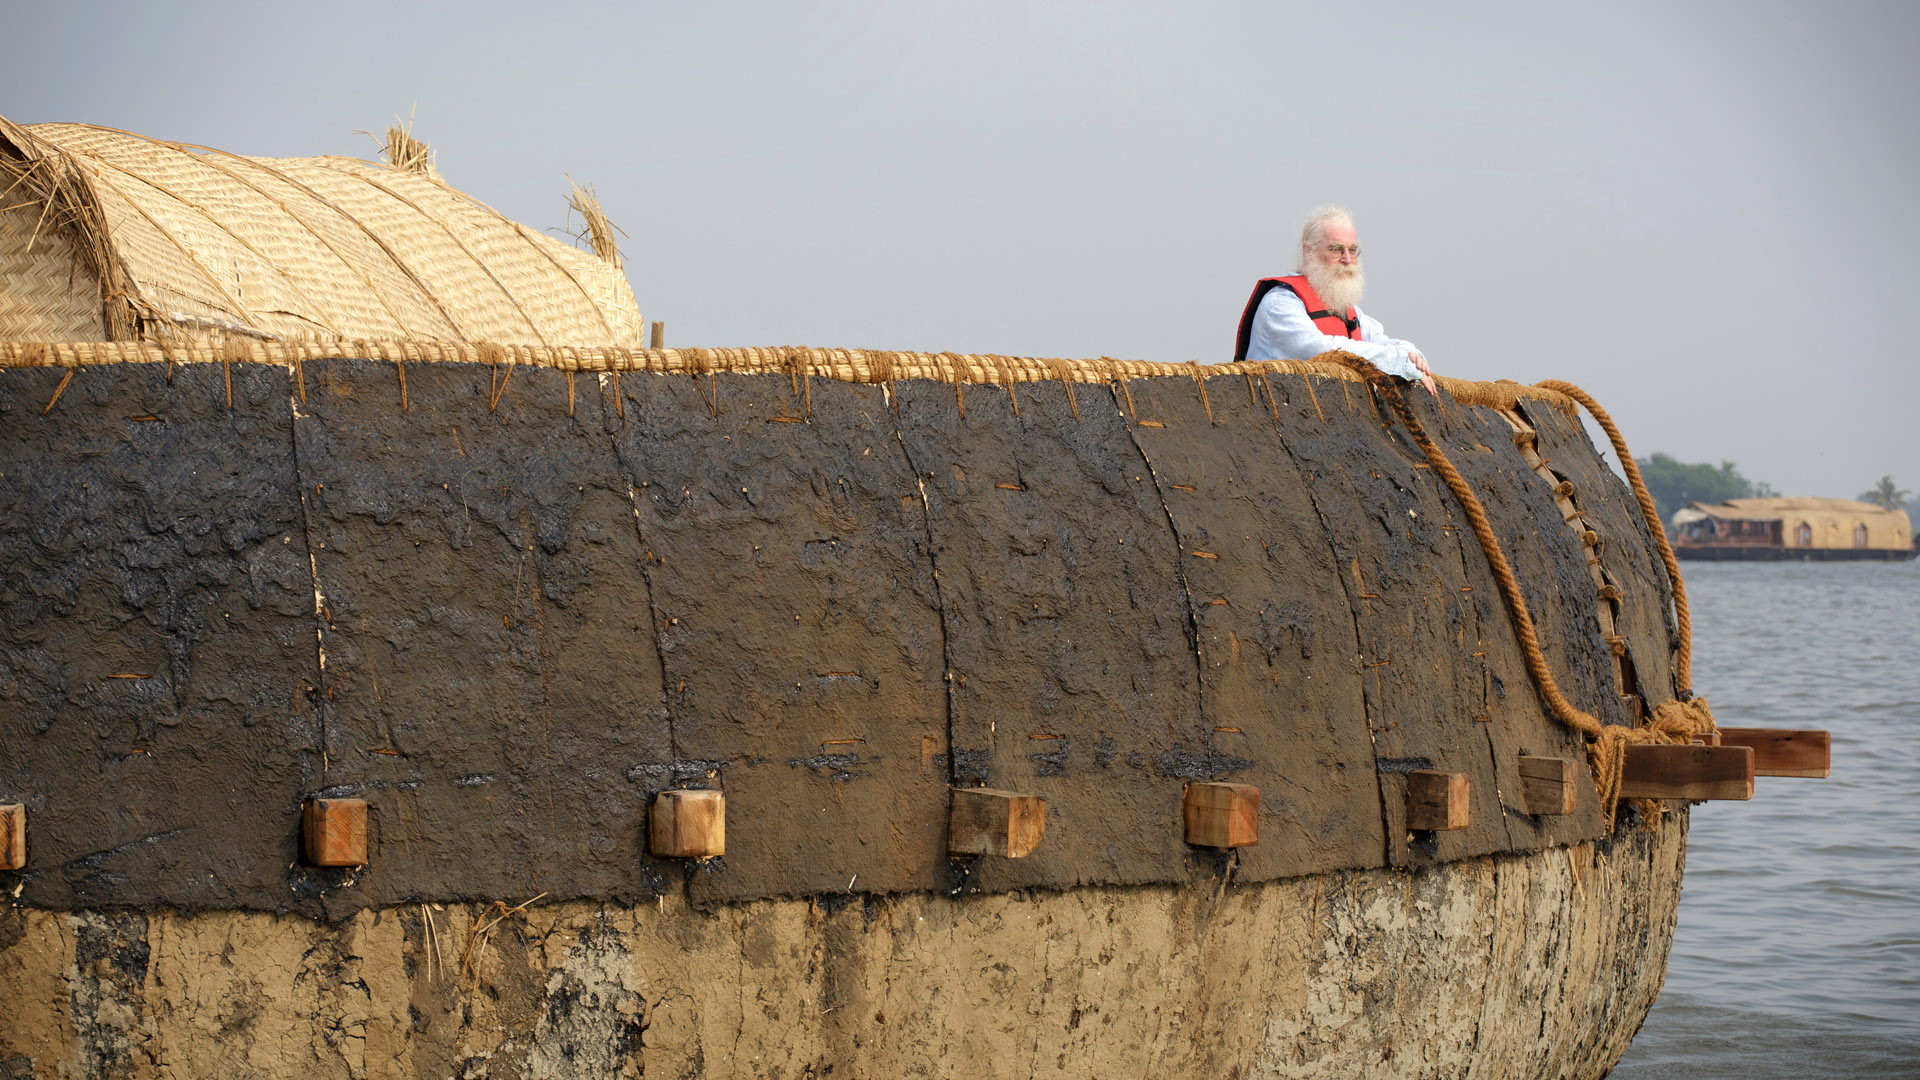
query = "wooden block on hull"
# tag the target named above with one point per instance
(1546, 784)
(987, 821)
(13, 836)
(1687, 772)
(1783, 751)
(1437, 801)
(687, 825)
(1222, 815)
(335, 832)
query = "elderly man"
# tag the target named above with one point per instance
(1305, 314)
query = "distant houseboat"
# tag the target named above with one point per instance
(1798, 528)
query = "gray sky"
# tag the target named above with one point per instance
(1693, 210)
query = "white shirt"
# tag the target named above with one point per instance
(1282, 331)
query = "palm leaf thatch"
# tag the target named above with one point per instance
(110, 236)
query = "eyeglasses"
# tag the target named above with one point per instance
(1334, 251)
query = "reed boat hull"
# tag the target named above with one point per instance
(510, 606)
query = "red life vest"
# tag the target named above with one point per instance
(1333, 324)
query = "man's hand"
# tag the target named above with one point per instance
(1426, 373)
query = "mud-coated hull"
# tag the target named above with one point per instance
(508, 609)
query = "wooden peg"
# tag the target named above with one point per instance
(1547, 784)
(1687, 772)
(1222, 815)
(985, 821)
(687, 825)
(13, 836)
(1437, 801)
(1784, 752)
(335, 831)
(658, 340)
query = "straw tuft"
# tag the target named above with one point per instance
(406, 153)
(599, 231)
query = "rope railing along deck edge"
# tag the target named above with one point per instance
(845, 365)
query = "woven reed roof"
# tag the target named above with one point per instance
(110, 236)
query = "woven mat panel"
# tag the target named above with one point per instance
(46, 293)
(330, 249)
(474, 243)
(139, 239)
(223, 244)
(345, 284)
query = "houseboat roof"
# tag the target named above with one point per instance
(1803, 507)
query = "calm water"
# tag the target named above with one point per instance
(1798, 947)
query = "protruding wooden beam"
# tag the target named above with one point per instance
(1547, 784)
(1222, 815)
(13, 836)
(335, 832)
(1783, 751)
(1687, 772)
(1437, 801)
(986, 821)
(687, 825)
(658, 339)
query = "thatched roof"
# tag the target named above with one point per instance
(110, 236)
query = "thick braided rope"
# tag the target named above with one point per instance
(1674, 721)
(1683, 662)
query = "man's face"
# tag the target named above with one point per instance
(1338, 252)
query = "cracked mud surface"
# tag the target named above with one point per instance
(1521, 965)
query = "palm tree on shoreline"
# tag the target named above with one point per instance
(1886, 494)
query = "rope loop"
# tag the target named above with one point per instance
(1673, 721)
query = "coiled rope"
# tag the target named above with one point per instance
(1674, 721)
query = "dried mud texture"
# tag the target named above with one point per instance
(507, 606)
(1540, 964)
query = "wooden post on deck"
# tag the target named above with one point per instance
(1546, 784)
(1437, 801)
(1222, 815)
(1784, 752)
(986, 821)
(687, 825)
(335, 832)
(1687, 772)
(13, 836)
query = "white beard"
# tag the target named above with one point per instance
(1339, 287)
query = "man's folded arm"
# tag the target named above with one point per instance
(1282, 331)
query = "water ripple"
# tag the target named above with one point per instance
(1795, 954)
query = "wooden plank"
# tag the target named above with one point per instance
(1437, 801)
(13, 836)
(335, 831)
(1222, 815)
(687, 825)
(1784, 751)
(987, 821)
(1687, 772)
(1546, 784)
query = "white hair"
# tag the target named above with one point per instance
(1315, 230)
(1339, 287)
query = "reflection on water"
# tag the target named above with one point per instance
(1798, 947)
